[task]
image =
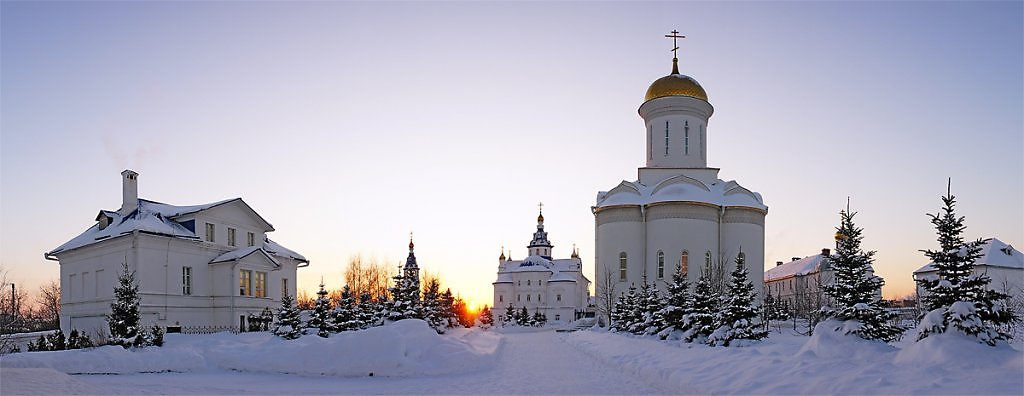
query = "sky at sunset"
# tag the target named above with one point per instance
(347, 125)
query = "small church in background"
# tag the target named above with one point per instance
(556, 288)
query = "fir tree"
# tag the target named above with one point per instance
(618, 315)
(539, 319)
(735, 319)
(123, 319)
(322, 318)
(650, 303)
(957, 298)
(405, 300)
(510, 315)
(629, 311)
(486, 317)
(702, 312)
(453, 312)
(289, 322)
(855, 289)
(369, 313)
(347, 315)
(431, 309)
(673, 315)
(523, 319)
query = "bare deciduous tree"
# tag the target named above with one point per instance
(370, 276)
(48, 305)
(606, 294)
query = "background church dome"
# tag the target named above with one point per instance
(675, 84)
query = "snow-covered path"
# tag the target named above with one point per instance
(528, 363)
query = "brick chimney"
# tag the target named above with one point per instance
(825, 252)
(129, 191)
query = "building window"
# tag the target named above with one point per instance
(186, 281)
(99, 282)
(261, 284)
(558, 297)
(622, 267)
(527, 297)
(707, 260)
(661, 264)
(558, 317)
(501, 298)
(684, 263)
(245, 283)
(251, 238)
(519, 297)
(527, 282)
(666, 138)
(538, 298)
(231, 236)
(209, 232)
(284, 286)
(686, 138)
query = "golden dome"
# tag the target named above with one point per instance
(675, 84)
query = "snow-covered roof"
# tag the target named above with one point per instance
(239, 254)
(681, 188)
(804, 266)
(143, 220)
(561, 270)
(157, 218)
(281, 251)
(994, 253)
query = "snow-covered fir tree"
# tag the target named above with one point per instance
(369, 311)
(538, 319)
(703, 310)
(854, 289)
(618, 315)
(123, 319)
(431, 309)
(735, 319)
(346, 312)
(629, 310)
(649, 303)
(322, 318)
(448, 305)
(672, 315)
(486, 317)
(289, 322)
(957, 298)
(405, 299)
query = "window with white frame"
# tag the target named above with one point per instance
(558, 297)
(661, 264)
(231, 236)
(666, 138)
(284, 286)
(209, 232)
(622, 266)
(684, 262)
(686, 138)
(186, 281)
(261, 284)
(251, 239)
(245, 283)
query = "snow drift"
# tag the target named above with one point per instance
(404, 348)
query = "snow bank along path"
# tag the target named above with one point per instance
(827, 363)
(520, 362)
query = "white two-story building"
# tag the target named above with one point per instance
(197, 266)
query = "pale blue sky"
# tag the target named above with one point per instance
(347, 125)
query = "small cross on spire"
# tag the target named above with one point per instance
(675, 46)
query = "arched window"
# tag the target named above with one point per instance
(666, 138)
(622, 267)
(707, 260)
(527, 297)
(527, 282)
(501, 298)
(686, 138)
(661, 264)
(684, 263)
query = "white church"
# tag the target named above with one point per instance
(555, 287)
(678, 213)
(205, 265)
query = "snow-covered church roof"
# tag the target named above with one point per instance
(681, 188)
(994, 253)
(560, 270)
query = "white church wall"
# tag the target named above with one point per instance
(749, 238)
(618, 237)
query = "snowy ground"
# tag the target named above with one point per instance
(408, 360)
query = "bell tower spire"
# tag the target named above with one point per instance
(539, 245)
